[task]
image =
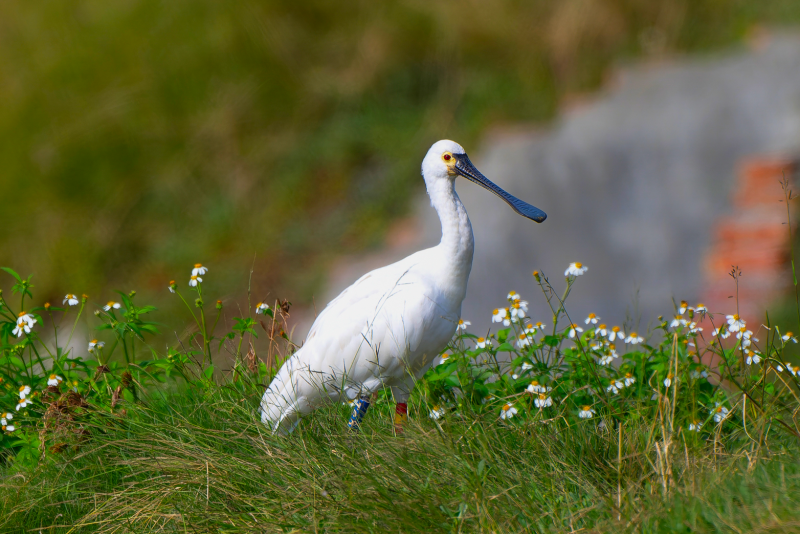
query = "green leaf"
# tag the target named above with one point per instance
(13, 273)
(552, 341)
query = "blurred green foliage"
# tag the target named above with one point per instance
(141, 136)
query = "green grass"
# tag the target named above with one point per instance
(199, 461)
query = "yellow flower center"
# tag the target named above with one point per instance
(718, 409)
(789, 334)
(516, 305)
(539, 324)
(506, 407)
(22, 388)
(512, 293)
(701, 305)
(542, 396)
(535, 383)
(592, 316)
(481, 340)
(111, 303)
(20, 314)
(578, 264)
(634, 334)
(194, 277)
(683, 304)
(460, 321)
(198, 265)
(522, 336)
(586, 408)
(496, 311)
(94, 342)
(602, 326)
(669, 376)
(628, 375)
(615, 329)
(52, 377)
(736, 317)
(611, 346)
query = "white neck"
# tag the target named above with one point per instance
(457, 244)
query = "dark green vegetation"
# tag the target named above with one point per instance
(140, 136)
(198, 462)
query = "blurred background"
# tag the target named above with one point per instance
(141, 137)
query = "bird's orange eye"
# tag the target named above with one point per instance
(447, 157)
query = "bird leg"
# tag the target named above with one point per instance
(360, 407)
(400, 416)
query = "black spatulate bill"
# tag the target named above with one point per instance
(466, 169)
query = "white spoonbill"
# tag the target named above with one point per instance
(387, 328)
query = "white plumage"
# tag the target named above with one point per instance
(387, 328)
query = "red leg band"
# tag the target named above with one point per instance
(401, 408)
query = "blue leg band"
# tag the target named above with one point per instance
(360, 407)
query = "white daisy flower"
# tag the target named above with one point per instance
(678, 322)
(792, 369)
(634, 338)
(261, 308)
(112, 305)
(199, 270)
(586, 412)
(668, 380)
(629, 379)
(24, 391)
(543, 401)
(513, 296)
(605, 360)
(539, 325)
(462, 324)
(22, 328)
(523, 341)
(720, 412)
(701, 309)
(6, 417)
(172, 286)
(8, 428)
(54, 380)
(445, 357)
(722, 332)
(519, 309)
(735, 323)
(592, 318)
(682, 307)
(23, 404)
(526, 366)
(95, 344)
(535, 387)
(573, 330)
(616, 332)
(695, 374)
(601, 331)
(752, 357)
(789, 337)
(695, 426)
(693, 328)
(508, 411)
(71, 300)
(482, 343)
(530, 329)
(194, 280)
(779, 368)
(499, 314)
(436, 413)
(614, 387)
(575, 269)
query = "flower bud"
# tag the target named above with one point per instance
(132, 293)
(536, 275)
(219, 304)
(198, 302)
(47, 306)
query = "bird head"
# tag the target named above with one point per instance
(447, 160)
